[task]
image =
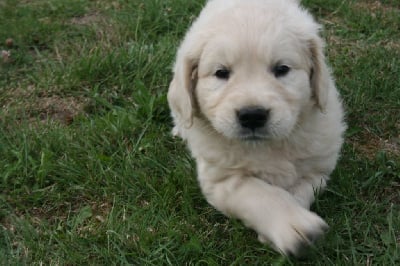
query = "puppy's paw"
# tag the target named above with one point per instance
(294, 232)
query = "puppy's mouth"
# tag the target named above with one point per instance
(253, 135)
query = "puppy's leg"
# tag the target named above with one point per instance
(271, 211)
(304, 191)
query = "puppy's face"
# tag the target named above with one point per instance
(249, 73)
(253, 85)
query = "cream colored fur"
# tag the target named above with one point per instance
(269, 182)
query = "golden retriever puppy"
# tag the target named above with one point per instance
(255, 101)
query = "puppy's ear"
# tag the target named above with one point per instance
(181, 92)
(320, 77)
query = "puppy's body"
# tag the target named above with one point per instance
(254, 100)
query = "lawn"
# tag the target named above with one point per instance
(90, 174)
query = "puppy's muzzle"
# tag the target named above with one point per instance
(253, 117)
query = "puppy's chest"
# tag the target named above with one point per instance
(271, 164)
(273, 170)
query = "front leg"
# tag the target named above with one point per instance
(305, 189)
(272, 212)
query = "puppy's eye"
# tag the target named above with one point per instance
(222, 73)
(280, 70)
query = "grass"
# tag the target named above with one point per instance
(89, 173)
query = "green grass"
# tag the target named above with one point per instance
(89, 173)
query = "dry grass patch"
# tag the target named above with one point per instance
(39, 106)
(369, 144)
(56, 108)
(376, 6)
(87, 19)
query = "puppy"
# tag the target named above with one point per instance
(255, 101)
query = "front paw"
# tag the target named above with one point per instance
(293, 231)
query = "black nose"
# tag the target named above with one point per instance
(253, 117)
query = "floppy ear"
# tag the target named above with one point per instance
(181, 92)
(320, 77)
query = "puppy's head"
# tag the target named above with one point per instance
(250, 69)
